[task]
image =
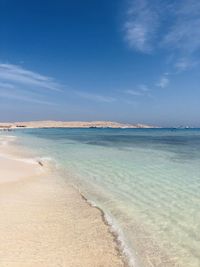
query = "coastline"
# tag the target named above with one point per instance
(71, 124)
(45, 222)
(123, 250)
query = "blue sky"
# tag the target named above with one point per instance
(133, 61)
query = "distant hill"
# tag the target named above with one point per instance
(73, 124)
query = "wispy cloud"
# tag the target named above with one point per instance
(170, 26)
(14, 74)
(24, 85)
(143, 87)
(25, 98)
(134, 92)
(141, 25)
(184, 32)
(6, 85)
(141, 90)
(183, 64)
(95, 97)
(164, 81)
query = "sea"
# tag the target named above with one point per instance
(146, 182)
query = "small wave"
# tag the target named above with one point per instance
(121, 240)
(117, 233)
(8, 137)
(29, 160)
(26, 160)
(45, 159)
(5, 140)
(4, 143)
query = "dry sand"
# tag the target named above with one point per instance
(46, 223)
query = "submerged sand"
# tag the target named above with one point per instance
(46, 223)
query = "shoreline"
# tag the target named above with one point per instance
(121, 247)
(106, 243)
(71, 124)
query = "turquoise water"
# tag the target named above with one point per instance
(147, 181)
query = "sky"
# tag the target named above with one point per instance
(133, 61)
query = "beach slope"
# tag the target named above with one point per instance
(44, 222)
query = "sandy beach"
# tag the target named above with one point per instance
(44, 222)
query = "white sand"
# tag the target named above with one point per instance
(46, 223)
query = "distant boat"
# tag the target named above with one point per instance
(183, 127)
(21, 126)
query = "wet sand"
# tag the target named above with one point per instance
(44, 222)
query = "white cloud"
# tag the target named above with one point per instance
(164, 82)
(141, 25)
(16, 75)
(184, 33)
(170, 26)
(25, 98)
(183, 64)
(25, 85)
(141, 90)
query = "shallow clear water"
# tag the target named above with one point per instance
(147, 180)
